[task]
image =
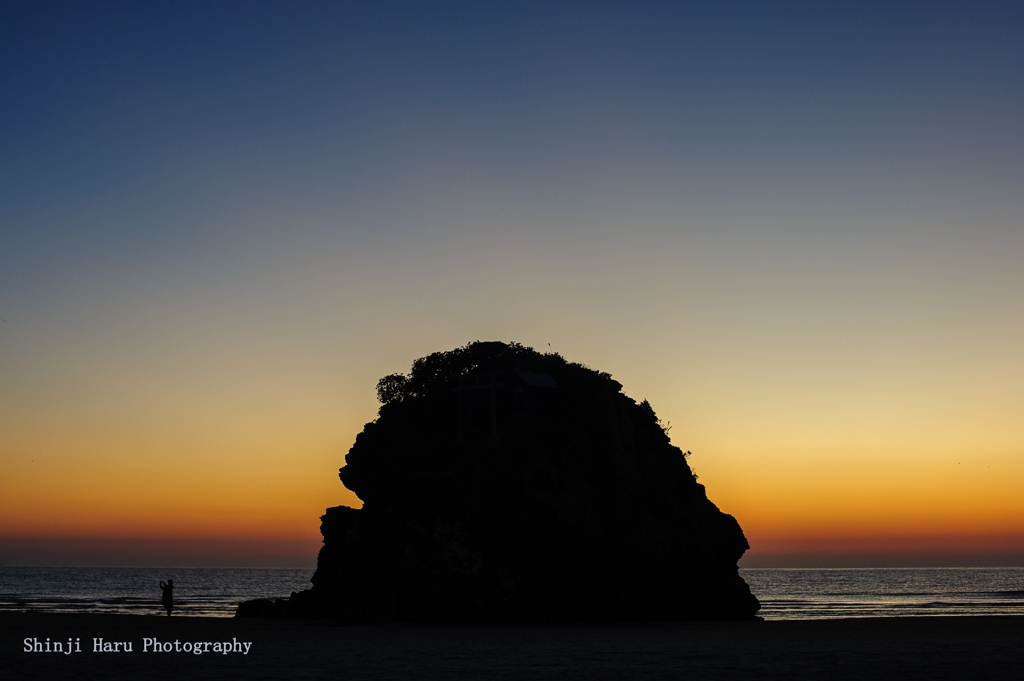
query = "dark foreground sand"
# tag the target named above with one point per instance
(960, 648)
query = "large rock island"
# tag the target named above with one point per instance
(502, 484)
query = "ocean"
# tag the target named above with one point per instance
(800, 594)
(198, 592)
(785, 594)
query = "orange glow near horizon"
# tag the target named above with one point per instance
(213, 424)
(263, 496)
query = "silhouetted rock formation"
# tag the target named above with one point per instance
(502, 484)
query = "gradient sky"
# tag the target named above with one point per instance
(797, 229)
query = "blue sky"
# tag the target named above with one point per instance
(794, 227)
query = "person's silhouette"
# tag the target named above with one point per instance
(168, 599)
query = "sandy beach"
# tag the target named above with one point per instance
(895, 648)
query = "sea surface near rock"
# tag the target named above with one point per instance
(500, 484)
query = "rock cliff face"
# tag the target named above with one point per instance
(502, 484)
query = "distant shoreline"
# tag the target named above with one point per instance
(941, 647)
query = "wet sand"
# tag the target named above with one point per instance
(895, 648)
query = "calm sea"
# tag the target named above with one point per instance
(788, 594)
(784, 593)
(209, 592)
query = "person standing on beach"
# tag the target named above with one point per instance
(168, 599)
